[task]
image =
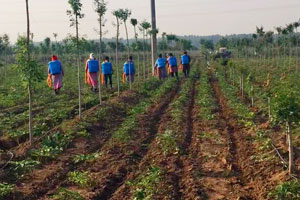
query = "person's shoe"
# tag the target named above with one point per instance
(56, 92)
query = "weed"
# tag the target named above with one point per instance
(167, 142)
(82, 158)
(24, 166)
(5, 190)
(287, 191)
(82, 179)
(146, 186)
(65, 194)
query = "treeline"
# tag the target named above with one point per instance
(280, 37)
(68, 45)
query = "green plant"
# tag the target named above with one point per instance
(5, 190)
(80, 178)
(145, 188)
(286, 109)
(82, 158)
(16, 135)
(167, 142)
(52, 146)
(287, 191)
(65, 194)
(24, 166)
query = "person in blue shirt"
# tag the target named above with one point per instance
(56, 73)
(185, 61)
(107, 71)
(91, 72)
(129, 70)
(172, 64)
(160, 67)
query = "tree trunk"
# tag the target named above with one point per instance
(128, 51)
(30, 113)
(78, 68)
(29, 81)
(117, 63)
(154, 37)
(100, 57)
(144, 55)
(291, 153)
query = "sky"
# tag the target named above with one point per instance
(180, 17)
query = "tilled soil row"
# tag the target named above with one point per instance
(119, 159)
(176, 181)
(190, 187)
(40, 181)
(253, 180)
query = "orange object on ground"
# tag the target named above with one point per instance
(169, 69)
(49, 81)
(124, 77)
(87, 78)
(102, 79)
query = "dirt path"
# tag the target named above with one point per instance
(251, 179)
(119, 159)
(40, 181)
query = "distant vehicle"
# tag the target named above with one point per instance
(222, 53)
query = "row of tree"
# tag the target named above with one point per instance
(281, 37)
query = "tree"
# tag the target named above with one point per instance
(118, 16)
(144, 27)
(134, 23)
(56, 44)
(75, 14)
(28, 68)
(47, 42)
(101, 10)
(125, 14)
(164, 45)
(286, 111)
(207, 44)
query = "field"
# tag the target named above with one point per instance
(203, 137)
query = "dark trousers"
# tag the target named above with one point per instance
(186, 69)
(106, 77)
(174, 73)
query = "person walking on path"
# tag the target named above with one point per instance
(107, 72)
(91, 72)
(55, 74)
(129, 70)
(172, 65)
(185, 62)
(160, 67)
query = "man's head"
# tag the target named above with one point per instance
(160, 55)
(170, 54)
(106, 58)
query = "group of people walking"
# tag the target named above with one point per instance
(92, 69)
(172, 65)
